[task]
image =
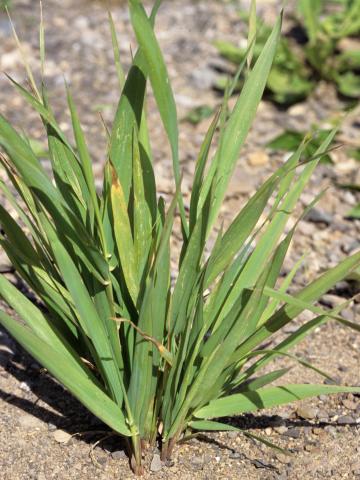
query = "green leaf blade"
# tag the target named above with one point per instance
(266, 398)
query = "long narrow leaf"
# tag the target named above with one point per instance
(266, 398)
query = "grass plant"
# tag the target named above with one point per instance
(156, 359)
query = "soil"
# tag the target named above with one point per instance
(37, 414)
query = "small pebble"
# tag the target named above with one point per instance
(346, 420)
(307, 413)
(322, 415)
(286, 459)
(290, 328)
(259, 158)
(298, 110)
(331, 300)
(197, 463)
(282, 429)
(235, 455)
(118, 454)
(348, 248)
(62, 437)
(203, 78)
(347, 314)
(52, 427)
(292, 433)
(102, 458)
(156, 463)
(349, 404)
(318, 216)
(24, 387)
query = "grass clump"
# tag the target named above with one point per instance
(152, 359)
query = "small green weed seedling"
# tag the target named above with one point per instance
(319, 54)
